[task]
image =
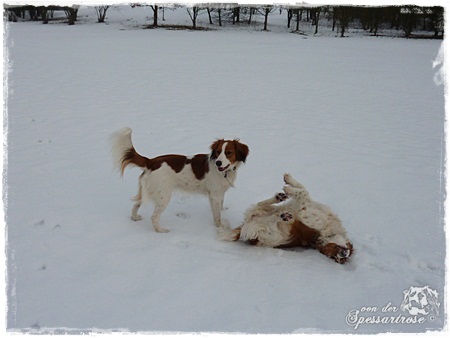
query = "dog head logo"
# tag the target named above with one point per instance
(420, 301)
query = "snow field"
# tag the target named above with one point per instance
(359, 121)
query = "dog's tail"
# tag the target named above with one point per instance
(123, 152)
(229, 235)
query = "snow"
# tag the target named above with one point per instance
(359, 121)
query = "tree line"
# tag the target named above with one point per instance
(369, 18)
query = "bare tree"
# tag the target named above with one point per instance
(409, 18)
(154, 8)
(376, 19)
(266, 10)
(71, 13)
(236, 12)
(436, 16)
(45, 14)
(219, 14)
(193, 14)
(218, 7)
(210, 10)
(299, 12)
(101, 12)
(290, 14)
(315, 14)
(155, 14)
(344, 16)
(252, 11)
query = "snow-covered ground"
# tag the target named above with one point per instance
(358, 120)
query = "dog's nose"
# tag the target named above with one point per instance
(219, 163)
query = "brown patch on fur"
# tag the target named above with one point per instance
(132, 157)
(241, 150)
(230, 152)
(301, 235)
(176, 162)
(200, 165)
(216, 148)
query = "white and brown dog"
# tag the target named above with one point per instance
(299, 221)
(210, 174)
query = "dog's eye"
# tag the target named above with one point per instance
(228, 153)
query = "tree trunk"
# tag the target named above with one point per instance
(252, 10)
(44, 14)
(101, 13)
(317, 14)
(209, 15)
(236, 14)
(299, 16)
(290, 13)
(193, 15)
(266, 17)
(155, 15)
(71, 14)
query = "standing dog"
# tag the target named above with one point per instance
(210, 174)
(298, 222)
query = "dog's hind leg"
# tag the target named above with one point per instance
(296, 190)
(160, 205)
(134, 212)
(289, 180)
(155, 218)
(301, 195)
(138, 199)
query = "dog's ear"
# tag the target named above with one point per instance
(216, 147)
(242, 150)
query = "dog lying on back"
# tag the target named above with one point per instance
(299, 222)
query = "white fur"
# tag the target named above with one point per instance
(120, 142)
(157, 186)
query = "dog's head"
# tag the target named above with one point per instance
(227, 154)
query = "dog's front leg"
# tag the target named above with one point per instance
(216, 207)
(269, 206)
(278, 198)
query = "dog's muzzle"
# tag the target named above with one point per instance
(219, 166)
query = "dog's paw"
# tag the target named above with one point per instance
(136, 217)
(287, 178)
(162, 230)
(286, 216)
(280, 197)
